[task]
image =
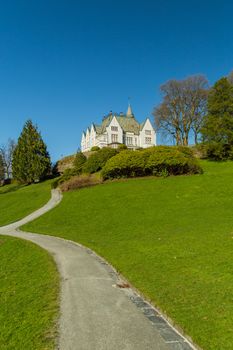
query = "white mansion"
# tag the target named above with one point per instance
(119, 129)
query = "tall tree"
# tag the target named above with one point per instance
(218, 123)
(31, 161)
(2, 170)
(182, 108)
(6, 152)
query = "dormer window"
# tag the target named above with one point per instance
(114, 128)
(148, 132)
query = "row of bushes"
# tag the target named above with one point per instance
(157, 161)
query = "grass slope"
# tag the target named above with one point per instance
(18, 201)
(28, 296)
(172, 238)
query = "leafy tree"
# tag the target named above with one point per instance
(182, 108)
(79, 161)
(217, 130)
(2, 170)
(31, 161)
(6, 152)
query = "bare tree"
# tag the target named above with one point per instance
(6, 152)
(182, 108)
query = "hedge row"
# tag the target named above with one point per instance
(158, 161)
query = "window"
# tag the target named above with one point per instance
(148, 132)
(114, 137)
(129, 140)
(136, 141)
(148, 140)
(114, 128)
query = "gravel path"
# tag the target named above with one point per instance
(95, 312)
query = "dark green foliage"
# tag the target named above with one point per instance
(159, 161)
(2, 170)
(97, 160)
(218, 125)
(31, 161)
(121, 147)
(79, 161)
(95, 148)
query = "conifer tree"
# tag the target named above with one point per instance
(31, 160)
(217, 130)
(79, 161)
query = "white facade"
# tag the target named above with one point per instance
(119, 129)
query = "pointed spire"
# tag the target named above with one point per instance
(129, 112)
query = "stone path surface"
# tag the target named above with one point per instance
(95, 312)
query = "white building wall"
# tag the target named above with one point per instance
(147, 135)
(110, 131)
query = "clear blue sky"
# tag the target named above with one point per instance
(66, 63)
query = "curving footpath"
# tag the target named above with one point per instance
(96, 313)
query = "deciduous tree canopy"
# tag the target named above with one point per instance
(182, 108)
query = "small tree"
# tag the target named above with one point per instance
(31, 161)
(79, 161)
(2, 170)
(6, 152)
(217, 130)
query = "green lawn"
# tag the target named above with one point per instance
(18, 201)
(172, 238)
(28, 296)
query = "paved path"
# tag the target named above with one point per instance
(95, 313)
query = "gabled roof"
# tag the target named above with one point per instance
(128, 124)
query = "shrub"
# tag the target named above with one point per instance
(218, 151)
(125, 164)
(84, 180)
(95, 148)
(172, 161)
(79, 162)
(97, 160)
(121, 147)
(158, 161)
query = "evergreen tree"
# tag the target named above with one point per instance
(79, 161)
(2, 170)
(31, 161)
(217, 130)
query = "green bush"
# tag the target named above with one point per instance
(125, 164)
(158, 161)
(218, 151)
(95, 148)
(121, 147)
(173, 161)
(79, 161)
(97, 160)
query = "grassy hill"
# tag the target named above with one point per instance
(18, 201)
(172, 238)
(28, 296)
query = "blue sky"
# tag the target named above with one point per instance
(66, 63)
